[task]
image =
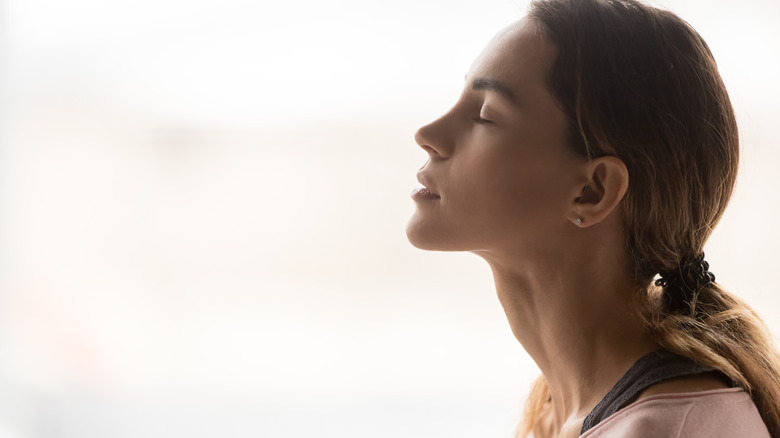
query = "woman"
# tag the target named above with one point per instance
(592, 152)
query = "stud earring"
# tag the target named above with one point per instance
(578, 221)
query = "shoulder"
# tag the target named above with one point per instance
(718, 413)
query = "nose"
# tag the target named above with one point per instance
(434, 140)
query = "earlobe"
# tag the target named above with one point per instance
(606, 186)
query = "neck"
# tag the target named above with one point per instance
(574, 316)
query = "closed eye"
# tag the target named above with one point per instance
(480, 120)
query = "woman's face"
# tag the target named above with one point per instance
(500, 175)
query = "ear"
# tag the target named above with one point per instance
(607, 182)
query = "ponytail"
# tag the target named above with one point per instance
(722, 332)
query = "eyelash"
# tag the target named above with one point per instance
(480, 120)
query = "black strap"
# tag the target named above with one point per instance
(656, 367)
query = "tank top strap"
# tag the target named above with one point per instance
(653, 368)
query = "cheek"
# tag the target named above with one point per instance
(507, 192)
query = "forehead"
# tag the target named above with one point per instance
(519, 55)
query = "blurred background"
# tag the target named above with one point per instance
(202, 212)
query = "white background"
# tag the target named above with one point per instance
(202, 212)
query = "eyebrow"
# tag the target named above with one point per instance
(495, 86)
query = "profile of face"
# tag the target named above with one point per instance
(500, 175)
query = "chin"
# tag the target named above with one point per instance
(420, 241)
(429, 237)
(420, 234)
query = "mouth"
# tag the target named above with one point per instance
(424, 193)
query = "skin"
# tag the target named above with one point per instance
(511, 190)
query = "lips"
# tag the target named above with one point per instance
(427, 192)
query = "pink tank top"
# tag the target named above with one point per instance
(719, 413)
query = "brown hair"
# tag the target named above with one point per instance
(640, 84)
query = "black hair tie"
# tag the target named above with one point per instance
(681, 284)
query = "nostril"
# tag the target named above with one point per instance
(430, 150)
(433, 153)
